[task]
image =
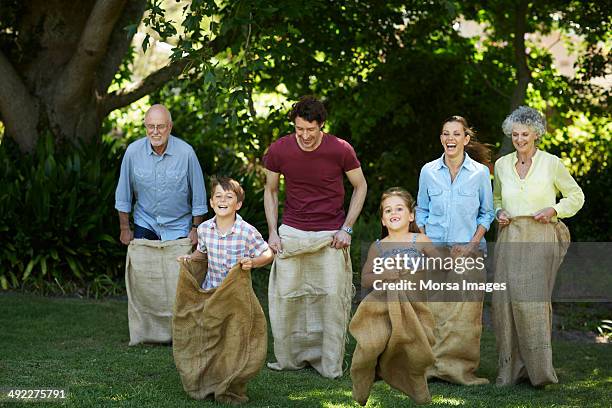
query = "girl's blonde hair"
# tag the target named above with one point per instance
(408, 200)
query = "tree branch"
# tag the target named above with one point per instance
(19, 111)
(151, 83)
(124, 97)
(76, 80)
(488, 83)
(119, 44)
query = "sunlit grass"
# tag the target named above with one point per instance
(81, 345)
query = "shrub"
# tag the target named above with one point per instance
(58, 225)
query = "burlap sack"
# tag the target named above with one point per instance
(219, 335)
(458, 328)
(151, 273)
(309, 293)
(522, 315)
(394, 338)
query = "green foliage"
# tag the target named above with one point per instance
(366, 231)
(59, 227)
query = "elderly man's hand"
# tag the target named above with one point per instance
(127, 235)
(193, 236)
(342, 239)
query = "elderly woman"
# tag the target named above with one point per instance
(530, 247)
(455, 210)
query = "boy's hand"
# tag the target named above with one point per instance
(184, 258)
(246, 264)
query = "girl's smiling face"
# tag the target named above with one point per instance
(396, 215)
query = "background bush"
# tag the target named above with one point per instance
(58, 226)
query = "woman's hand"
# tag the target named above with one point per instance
(503, 218)
(545, 215)
(390, 275)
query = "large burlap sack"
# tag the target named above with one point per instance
(151, 274)
(309, 293)
(458, 327)
(394, 338)
(527, 257)
(219, 335)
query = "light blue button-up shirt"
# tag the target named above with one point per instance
(168, 188)
(452, 211)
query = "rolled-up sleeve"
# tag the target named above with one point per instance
(573, 197)
(485, 211)
(422, 209)
(198, 190)
(123, 193)
(497, 187)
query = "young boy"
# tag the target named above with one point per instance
(226, 238)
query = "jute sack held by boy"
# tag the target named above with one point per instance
(219, 328)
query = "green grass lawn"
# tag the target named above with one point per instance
(81, 345)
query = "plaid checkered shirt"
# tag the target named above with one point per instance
(224, 251)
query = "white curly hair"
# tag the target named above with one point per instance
(529, 117)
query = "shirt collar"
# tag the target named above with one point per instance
(468, 163)
(169, 149)
(235, 227)
(533, 158)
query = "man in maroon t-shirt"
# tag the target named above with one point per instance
(313, 164)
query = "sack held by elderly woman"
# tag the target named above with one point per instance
(530, 248)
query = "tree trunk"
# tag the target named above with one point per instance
(65, 57)
(523, 74)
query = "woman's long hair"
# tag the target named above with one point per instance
(481, 152)
(408, 200)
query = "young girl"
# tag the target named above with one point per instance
(400, 236)
(394, 332)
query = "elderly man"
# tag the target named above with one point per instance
(310, 283)
(163, 173)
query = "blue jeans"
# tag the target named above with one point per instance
(142, 232)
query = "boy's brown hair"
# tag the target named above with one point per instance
(227, 184)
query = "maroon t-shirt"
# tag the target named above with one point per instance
(314, 189)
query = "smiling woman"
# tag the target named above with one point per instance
(455, 208)
(526, 186)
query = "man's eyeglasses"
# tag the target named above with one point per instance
(152, 128)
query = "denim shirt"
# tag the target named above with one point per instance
(168, 188)
(451, 212)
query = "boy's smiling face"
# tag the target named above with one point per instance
(224, 202)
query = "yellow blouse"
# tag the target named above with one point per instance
(546, 177)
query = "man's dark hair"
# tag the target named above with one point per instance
(310, 109)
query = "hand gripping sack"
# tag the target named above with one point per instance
(219, 335)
